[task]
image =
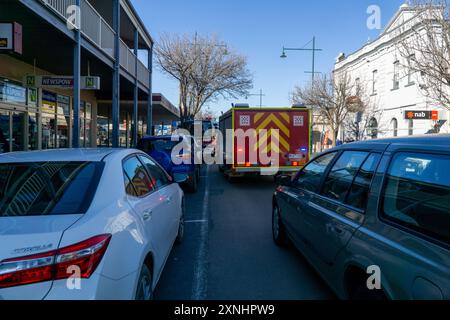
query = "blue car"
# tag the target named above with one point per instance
(160, 148)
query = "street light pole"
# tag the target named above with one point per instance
(313, 50)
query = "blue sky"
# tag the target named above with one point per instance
(258, 29)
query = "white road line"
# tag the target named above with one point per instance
(200, 283)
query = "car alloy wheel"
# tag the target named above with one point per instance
(279, 233)
(276, 223)
(144, 290)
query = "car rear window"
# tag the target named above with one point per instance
(47, 188)
(417, 194)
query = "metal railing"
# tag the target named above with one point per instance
(143, 74)
(93, 26)
(60, 6)
(107, 38)
(97, 30)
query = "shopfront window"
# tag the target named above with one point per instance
(18, 133)
(85, 124)
(48, 109)
(18, 126)
(4, 131)
(63, 123)
(125, 130)
(88, 123)
(103, 132)
(32, 131)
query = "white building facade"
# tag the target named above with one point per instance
(393, 90)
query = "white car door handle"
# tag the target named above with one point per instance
(169, 199)
(147, 215)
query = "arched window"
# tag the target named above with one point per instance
(373, 128)
(394, 124)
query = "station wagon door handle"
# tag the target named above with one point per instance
(147, 215)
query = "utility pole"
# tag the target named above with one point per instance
(260, 95)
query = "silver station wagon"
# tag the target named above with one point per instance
(373, 209)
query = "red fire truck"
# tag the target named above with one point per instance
(282, 133)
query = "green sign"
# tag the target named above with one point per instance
(32, 97)
(90, 82)
(30, 81)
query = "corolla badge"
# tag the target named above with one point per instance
(34, 249)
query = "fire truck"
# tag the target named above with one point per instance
(282, 133)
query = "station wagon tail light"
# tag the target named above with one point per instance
(55, 265)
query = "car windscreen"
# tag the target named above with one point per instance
(47, 188)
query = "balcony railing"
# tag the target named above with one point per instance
(128, 61)
(98, 31)
(143, 74)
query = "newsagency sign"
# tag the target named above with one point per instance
(422, 115)
(63, 82)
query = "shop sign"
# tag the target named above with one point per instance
(422, 115)
(63, 82)
(10, 92)
(48, 101)
(49, 97)
(11, 37)
(32, 97)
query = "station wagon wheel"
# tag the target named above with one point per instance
(144, 290)
(279, 233)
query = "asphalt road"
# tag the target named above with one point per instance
(228, 252)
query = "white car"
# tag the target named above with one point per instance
(85, 224)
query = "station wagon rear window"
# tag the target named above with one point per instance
(417, 194)
(47, 188)
(161, 145)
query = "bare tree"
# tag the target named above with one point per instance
(332, 98)
(364, 117)
(204, 69)
(425, 49)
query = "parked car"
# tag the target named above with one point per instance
(85, 224)
(376, 205)
(161, 149)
